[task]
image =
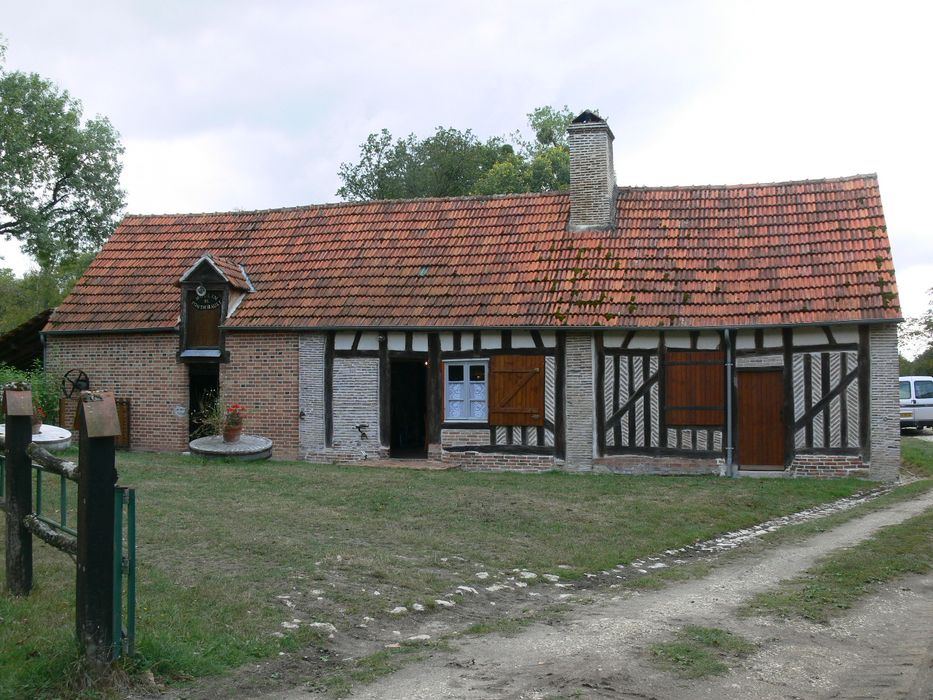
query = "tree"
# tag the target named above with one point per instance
(917, 333)
(59, 177)
(453, 163)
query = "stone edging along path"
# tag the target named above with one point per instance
(491, 583)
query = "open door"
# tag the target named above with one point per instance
(760, 438)
(408, 409)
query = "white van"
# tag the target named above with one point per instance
(916, 402)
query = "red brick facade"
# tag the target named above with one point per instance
(263, 376)
(140, 367)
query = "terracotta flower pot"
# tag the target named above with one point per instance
(232, 433)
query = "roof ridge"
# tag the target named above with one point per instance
(843, 178)
(335, 205)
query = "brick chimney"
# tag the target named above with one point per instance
(592, 176)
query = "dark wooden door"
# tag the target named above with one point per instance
(761, 419)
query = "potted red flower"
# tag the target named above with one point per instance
(38, 415)
(233, 424)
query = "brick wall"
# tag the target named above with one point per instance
(486, 462)
(263, 376)
(311, 392)
(356, 403)
(140, 367)
(451, 437)
(885, 456)
(579, 401)
(828, 466)
(664, 465)
(592, 178)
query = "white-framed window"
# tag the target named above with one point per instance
(466, 393)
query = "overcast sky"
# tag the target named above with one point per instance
(247, 105)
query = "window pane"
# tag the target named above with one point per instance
(455, 391)
(924, 390)
(455, 409)
(455, 373)
(477, 373)
(905, 390)
(478, 410)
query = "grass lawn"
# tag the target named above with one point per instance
(917, 456)
(219, 542)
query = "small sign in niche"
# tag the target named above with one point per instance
(205, 300)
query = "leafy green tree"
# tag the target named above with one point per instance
(454, 163)
(59, 175)
(917, 332)
(21, 298)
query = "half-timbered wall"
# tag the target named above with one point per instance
(826, 400)
(826, 372)
(344, 382)
(630, 394)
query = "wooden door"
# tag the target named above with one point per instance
(760, 439)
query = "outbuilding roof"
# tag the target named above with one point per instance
(810, 252)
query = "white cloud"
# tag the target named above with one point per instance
(237, 104)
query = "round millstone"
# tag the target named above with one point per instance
(247, 448)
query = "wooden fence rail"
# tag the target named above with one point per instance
(97, 544)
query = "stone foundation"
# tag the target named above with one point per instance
(662, 465)
(828, 467)
(499, 462)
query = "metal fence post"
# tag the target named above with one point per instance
(94, 585)
(18, 408)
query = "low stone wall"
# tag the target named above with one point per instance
(661, 465)
(828, 467)
(499, 462)
(344, 456)
(451, 437)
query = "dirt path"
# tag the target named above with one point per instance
(882, 649)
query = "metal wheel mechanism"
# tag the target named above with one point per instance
(75, 380)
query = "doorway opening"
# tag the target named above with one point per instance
(203, 388)
(408, 409)
(760, 396)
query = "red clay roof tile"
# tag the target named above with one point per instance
(685, 257)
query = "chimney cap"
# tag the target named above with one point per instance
(588, 117)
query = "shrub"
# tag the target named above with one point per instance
(46, 386)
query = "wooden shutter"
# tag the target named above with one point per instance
(204, 323)
(516, 390)
(694, 388)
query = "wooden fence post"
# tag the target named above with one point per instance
(18, 409)
(97, 475)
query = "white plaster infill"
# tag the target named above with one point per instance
(247, 448)
(49, 437)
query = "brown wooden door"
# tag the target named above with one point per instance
(761, 419)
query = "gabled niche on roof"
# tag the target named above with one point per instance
(211, 290)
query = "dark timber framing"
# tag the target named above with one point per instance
(329, 389)
(560, 370)
(599, 388)
(435, 415)
(787, 336)
(864, 392)
(653, 432)
(435, 357)
(385, 389)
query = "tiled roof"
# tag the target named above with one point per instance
(687, 257)
(230, 271)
